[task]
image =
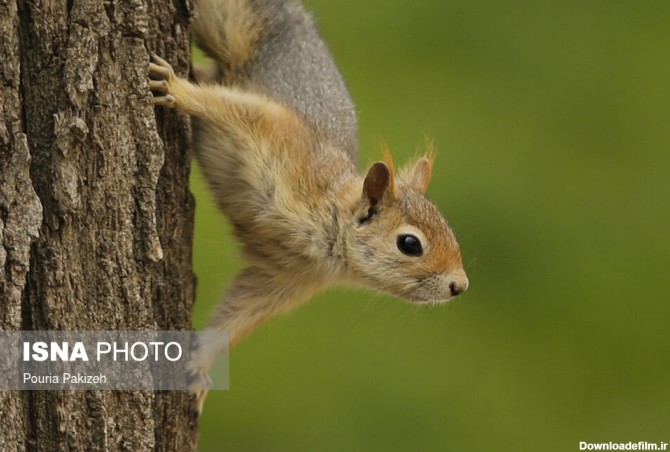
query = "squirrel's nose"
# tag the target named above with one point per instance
(459, 284)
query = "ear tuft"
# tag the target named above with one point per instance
(420, 173)
(387, 158)
(378, 183)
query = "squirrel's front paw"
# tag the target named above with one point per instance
(160, 77)
(198, 387)
(199, 400)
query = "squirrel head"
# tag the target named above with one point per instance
(400, 243)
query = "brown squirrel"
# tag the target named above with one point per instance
(275, 136)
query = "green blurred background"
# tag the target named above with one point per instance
(551, 121)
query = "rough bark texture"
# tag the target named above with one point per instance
(95, 212)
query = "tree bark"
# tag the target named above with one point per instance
(96, 218)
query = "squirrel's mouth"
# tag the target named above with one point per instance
(427, 301)
(436, 289)
(418, 296)
(432, 302)
(417, 293)
(423, 295)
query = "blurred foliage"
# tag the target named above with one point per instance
(551, 121)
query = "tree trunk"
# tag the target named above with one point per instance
(95, 213)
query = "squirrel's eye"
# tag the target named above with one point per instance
(409, 245)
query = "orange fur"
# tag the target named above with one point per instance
(306, 219)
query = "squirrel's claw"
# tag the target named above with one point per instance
(165, 101)
(158, 85)
(160, 72)
(198, 387)
(160, 76)
(199, 400)
(160, 61)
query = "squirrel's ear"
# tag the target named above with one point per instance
(420, 174)
(378, 183)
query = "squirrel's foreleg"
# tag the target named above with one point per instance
(251, 299)
(239, 112)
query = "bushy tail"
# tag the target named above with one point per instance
(229, 32)
(272, 47)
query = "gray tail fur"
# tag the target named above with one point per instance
(273, 47)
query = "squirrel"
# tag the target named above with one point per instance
(274, 131)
